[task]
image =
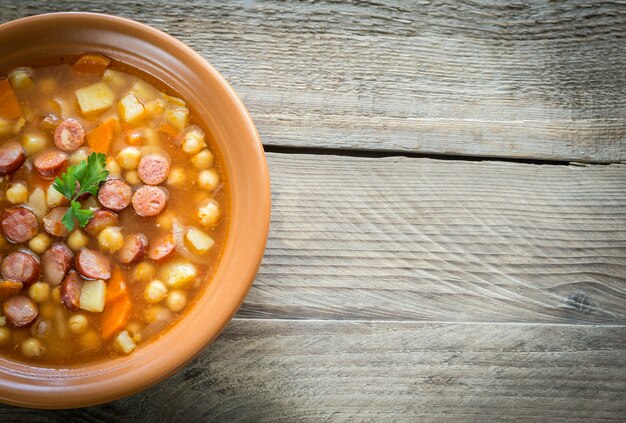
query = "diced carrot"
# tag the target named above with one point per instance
(117, 286)
(100, 137)
(168, 129)
(115, 316)
(92, 63)
(9, 106)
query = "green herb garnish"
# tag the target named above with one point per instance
(78, 179)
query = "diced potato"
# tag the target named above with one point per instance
(144, 91)
(34, 142)
(156, 107)
(92, 296)
(177, 117)
(209, 213)
(178, 274)
(21, 78)
(95, 98)
(17, 193)
(174, 100)
(37, 202)
(199, 240)
(40, 243)
(114, 78)
(130, 108)
(54, 198)
(124, 343)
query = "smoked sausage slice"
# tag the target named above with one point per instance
(18, 224)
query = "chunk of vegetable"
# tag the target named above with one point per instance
(177, 117)
(124, 343)
(117, 286)
(178, 274)
(93, 295)
(115, 316)
(21, 78)
(54, 198)
(17, 193)
(34, 142)
(208, 179)
(130, 108)
(9, 105)
(209, 213)
(95, 98)
(99, 138)
(129, 158)
(92, 63)
(40, 243)
(198, 240)
(144, 91)
(37, 202)
(193, 141)
(202, 160)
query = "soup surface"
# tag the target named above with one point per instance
(114, 211)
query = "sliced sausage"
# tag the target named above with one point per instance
(22, 266)
(134, 248)
(70, 291)
(10, 288)
(18, 224)
(12, 157)
(93, 264)
(149, 200)
(52, 222)
(153, 169)
(162, 249)
(69, 135)
(56, 262)
(115, 195)
(100, 220)
(20, 310)
(50, 163)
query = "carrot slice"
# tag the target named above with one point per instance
(100, 137)
(117, 286)
(115, 316)
(92, 63)
(9, 106)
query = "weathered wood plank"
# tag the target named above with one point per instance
(532, 79)
(419, 239)
(267, 371)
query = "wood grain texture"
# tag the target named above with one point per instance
(403, 238)
(278, 371)
(536, 79)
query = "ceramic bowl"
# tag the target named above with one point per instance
(45, 37)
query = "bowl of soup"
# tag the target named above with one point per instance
(134, 207)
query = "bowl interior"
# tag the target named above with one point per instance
(45, 37)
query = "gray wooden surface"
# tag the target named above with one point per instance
(410, 288)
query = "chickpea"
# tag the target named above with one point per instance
(209, 213)
(39, 292)
(134, 330)
(202, 160)
(78, 324)
(17, 193)
(155, 292)
(144, 271)
(128, 158)
(113, 167)
(21, 78)
(111, 239)
(33, 143)
(176, 300)
(40, 243)
(32, 348)
(155, 313)
(90, 340)
(208, 179)
(56, 294)
(77, 240)
(5, 335)
(176, 177)
(165, 221)
(132, 177)
(193, 142)
(78, 156)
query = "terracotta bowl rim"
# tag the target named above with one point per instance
(45, 387)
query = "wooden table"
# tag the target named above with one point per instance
(448, 238)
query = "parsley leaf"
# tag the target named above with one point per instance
(83, 177)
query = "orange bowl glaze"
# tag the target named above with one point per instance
(44, 38)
